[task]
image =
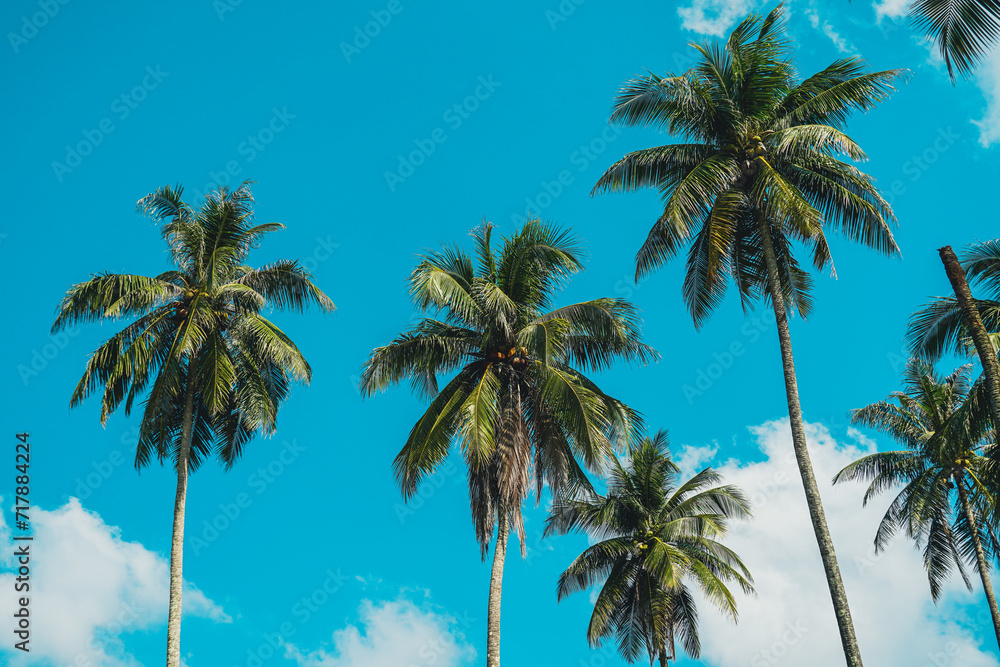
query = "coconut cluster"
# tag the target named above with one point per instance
(517, 357)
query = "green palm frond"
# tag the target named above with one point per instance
(964, 31)
(655, 536)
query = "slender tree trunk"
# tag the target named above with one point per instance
(839, 596)
(496, 587)
(177, 542)
(667, 652)
(984, 568)
(987, 357)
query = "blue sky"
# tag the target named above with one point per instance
(370, 149)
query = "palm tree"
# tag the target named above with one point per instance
(952, 323)
(653, 535)
(760, 170)
(215, 369)
(944, 453)
(518, 403)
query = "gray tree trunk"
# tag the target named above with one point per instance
(496, 587)
(839, 596)
(984, 568)
(177, 541)
(981, 338)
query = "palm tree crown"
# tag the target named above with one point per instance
(759, 165)
(518, 403)
(944, 452)
(655, 534)
(197, 329)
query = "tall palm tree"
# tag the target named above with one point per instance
(215, 369)
(944, 497)
(654, 535)
(760, 171)
(518, 403)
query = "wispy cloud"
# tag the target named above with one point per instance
(892, 9)
(714, 17)
(825, 27)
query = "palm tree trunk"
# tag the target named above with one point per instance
(177, 541)
(984, 568)
(987, 357)
(663, 659)
(496, 586)
(837, 592)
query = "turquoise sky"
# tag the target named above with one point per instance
(374, 131)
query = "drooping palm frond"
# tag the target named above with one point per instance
(964, 31)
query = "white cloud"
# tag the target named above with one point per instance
(88, 588)
(827, 29)
(714, 17)
(893, 9)
(988, 80)
(390, 634)
(791, 621)
(694, 459)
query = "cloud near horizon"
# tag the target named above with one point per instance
(791, 621)
(389, 634)
(89, 588)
